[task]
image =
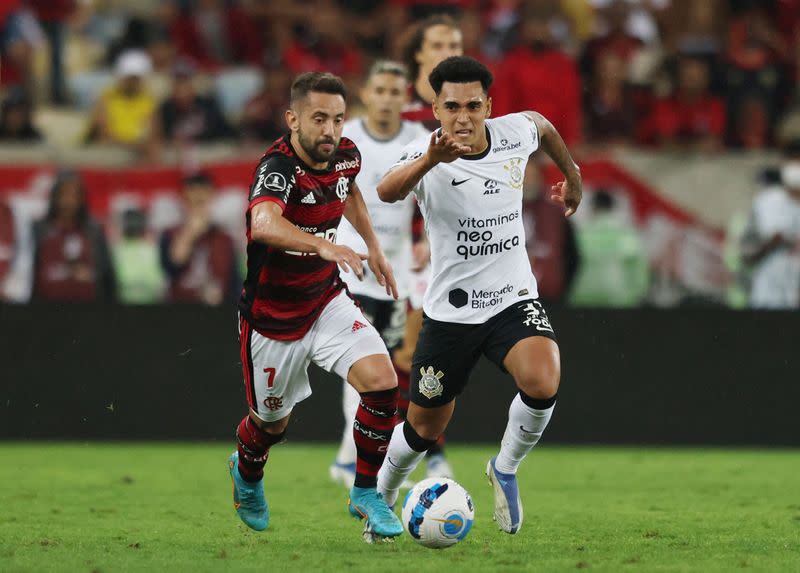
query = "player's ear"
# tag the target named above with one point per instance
(435, 107)
(488, 106)
(292, 119)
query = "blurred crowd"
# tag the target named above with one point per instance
(710, 74)
(699, 76)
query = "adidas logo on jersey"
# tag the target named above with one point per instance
(358, 325)
(309, 199)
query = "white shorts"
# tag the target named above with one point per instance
(276, 371)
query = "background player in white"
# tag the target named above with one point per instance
(380, 136)
(482, 298)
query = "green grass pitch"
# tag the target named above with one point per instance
(167, 507)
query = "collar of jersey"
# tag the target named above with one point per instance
(303, 164)
(486, 151)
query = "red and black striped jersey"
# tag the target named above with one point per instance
(417, 109)
(285, 291)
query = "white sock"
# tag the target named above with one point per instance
(401, 459)
(347, 448)
(525, 427)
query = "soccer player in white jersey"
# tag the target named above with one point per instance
(482, 298)
(380, 136)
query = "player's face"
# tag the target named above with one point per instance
(462, 110)
(318, 122)
(440, 42)
(384, 95)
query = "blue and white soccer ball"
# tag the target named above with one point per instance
(438, 513)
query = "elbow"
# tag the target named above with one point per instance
(384, 193)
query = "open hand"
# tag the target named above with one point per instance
(382, 270)
(444, 149)
(345, 257)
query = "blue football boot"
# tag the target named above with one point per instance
(507, 503)
(248, 497)
(381, 523)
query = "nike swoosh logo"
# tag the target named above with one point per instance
(455, 183)
(526, 431)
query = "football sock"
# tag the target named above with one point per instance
(527, 419)
(372, 429)
(405, 451)
(253, 445)
(403, 381)
(437, 449)
(347, 447)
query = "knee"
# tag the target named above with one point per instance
(540, 378)
(378, 379)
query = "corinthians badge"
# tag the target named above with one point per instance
(515, 174)
(430, 385)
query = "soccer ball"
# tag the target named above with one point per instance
(438, 513)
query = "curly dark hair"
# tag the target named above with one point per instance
(460, 70)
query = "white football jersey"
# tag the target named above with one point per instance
(473, 216)
(391, 221)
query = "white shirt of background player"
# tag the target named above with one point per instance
(391, 221)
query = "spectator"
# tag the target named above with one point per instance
(609, 107)
(215, 33)
(136, 259)
(186, 116)
(757, 55)
(53, 16)
(71, 258)
(616, 38)
(537, 75)
(692, 116)
(124, 113)
(614, 270)
(20, 35)
(263, 116)
(7, 243)
(148, 35)
(550, 239)
(198, 257)
(771, 241)
(325, 45)
(640, 18)
(16, 118)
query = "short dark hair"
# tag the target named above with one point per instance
(414, 43)
(199, 179)
(323, 82)
(460, 70)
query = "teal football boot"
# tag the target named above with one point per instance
(248, 497)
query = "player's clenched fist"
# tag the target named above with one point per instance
(444, 149)
(568, 194)
(345, 257)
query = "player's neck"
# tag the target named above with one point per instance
(383, 130)
(481, 145)
(423, 88)
(305, 157)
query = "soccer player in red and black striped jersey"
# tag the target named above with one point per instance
(295, 308)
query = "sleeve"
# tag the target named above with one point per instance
(412, 151)
(171, 270)
(529, 132)
(274, 181)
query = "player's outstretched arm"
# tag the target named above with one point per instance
(570, 191)
(355, 211)
(268, 226)
(402, 179)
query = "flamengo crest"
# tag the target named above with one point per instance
(342, 186)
